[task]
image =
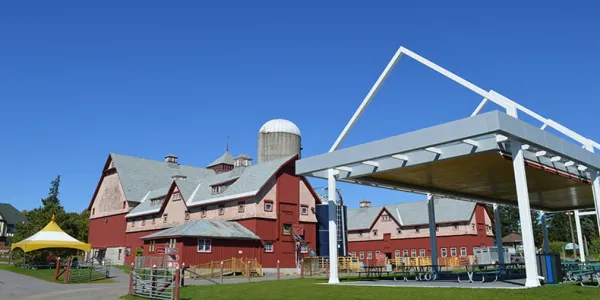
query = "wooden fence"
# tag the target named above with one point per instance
(244, 266)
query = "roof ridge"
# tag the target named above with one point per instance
(153, 160)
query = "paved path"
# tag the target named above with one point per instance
(21, 287)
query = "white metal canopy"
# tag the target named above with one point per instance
(481, 158)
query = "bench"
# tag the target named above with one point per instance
(581, 274)
(490, 272)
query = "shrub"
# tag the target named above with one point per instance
(557, 247)
(594, 247)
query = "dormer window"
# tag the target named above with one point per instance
(218, 189)
(241, 206)
(386, 218)
(176, 196)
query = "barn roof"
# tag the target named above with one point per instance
(413, 213)
(206, 229)
(10, 214)
(196, 189)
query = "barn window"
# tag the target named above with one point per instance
(362, 255)
(187, 215)
(413, 252)
(269, 246)
(133, 223)
(287, 229)
(221, 209)
(375, 232)
(304, 210)
(303, 248)
(422, 252)
(463, 251)
(165, 217)
(444, 252)
(152, 246)
(369, 255)
(377, 252)
(144, 222)
(203, 212)
(172, 243)
(386, 218)
(405, 253)
(176, 197)
(397, 253)
(417, 230)
(399, 230)
(124, 204)
(153, 220)
(453, 252)
(204, 245)
(455, 226)
(268, 205)
(241, 206)
(93, 211)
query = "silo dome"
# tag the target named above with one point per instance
(280, 125)
(278, 138)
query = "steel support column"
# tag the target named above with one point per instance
(579, 237)
(498, 234)
(524, 214)
(596, 192)
(333, 243)
(545, 233)
(432, 229)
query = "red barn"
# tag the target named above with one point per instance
(402, 230)
(137, 197)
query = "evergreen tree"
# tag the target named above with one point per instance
(53, 194)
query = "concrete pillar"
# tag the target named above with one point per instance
(498, 234)
(333, 254)
(432, 229)
(579, 237)
(596, 192)
(545, 233)
(524, 214)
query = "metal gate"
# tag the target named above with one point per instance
(88, 271)
(154, 283)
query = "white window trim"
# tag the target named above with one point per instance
(405, 253)
(362, 254)
(453, 252)
(422, 252)
(465, 251)
(272, 246)
(204, 244)
(369, 254)
(444, 252)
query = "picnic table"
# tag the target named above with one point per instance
(480, 269)
(372, 271)
(587, 272)
(511, 269)
(422, 272)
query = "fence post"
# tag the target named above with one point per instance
(212, 269)
(153, 280)
(301, 268)
(176, 287)
(278, 271)
(182, 275)
(57, 269)
(67, 271)
(131, 279)
(221, 272)
(248, 273)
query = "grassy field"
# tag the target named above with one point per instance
(48, 274)
(302, 289)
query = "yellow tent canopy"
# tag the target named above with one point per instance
(50, 236)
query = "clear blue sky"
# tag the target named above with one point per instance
(145, 78)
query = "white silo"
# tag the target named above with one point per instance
(278, 138)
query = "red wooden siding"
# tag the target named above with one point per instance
(220, 250)
(107, 232)
(133, 241)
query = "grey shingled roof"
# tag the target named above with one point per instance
(10, 214)
(196, 189)
(244, 155)
(140, 175)
(226, 158)
(413, 213)
(145, 207)
(206, 228)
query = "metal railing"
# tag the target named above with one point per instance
(155, 283)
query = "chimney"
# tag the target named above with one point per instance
(365, 204)
(171, 158)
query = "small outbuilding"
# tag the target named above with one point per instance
(203, 241)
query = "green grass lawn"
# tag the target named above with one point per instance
(303, 289)
(48, 274)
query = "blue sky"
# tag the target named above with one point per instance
(145, 78)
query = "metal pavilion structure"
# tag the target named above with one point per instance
(493, 157)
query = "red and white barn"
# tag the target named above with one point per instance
(402, 230)
(137, 197)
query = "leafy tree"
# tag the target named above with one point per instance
(510, 223)
(557, 247)
(74, 224)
